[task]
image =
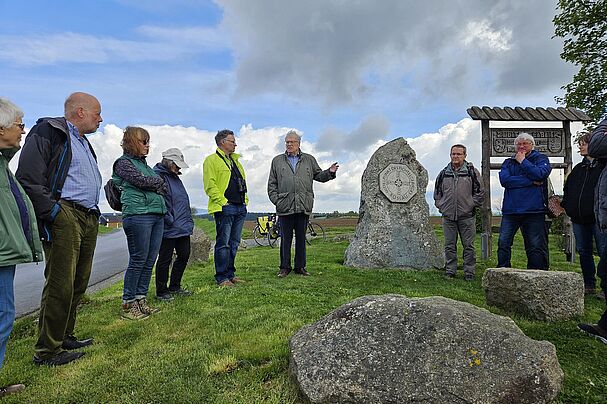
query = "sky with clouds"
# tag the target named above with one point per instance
(348, 75)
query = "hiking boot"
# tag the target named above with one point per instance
(181, 292)
(302, 271)
(131, 311)
(165, 297)
(59, 359)
(13, 388)
(236, 280)
(71, 342)
(145, 308)
(226, 284)
(594, 331)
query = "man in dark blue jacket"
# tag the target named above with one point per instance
(524, 177)
(178, 227)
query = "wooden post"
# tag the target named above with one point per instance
(568, 237)
(486, 236)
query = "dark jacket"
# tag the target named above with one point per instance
(178, 221)
(578, 191)
(43, 165)
(597, 148)
(457, 193)
(291, 190)
(521, 195)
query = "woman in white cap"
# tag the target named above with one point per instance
(178, 227)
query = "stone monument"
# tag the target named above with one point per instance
(393, 230)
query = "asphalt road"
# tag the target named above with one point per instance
(111, 259)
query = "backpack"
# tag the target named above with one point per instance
(113, 194)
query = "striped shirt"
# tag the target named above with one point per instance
(83, 180)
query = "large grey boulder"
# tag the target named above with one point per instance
(392, 349)
(540, 295)
(200, 247)
(393, 230)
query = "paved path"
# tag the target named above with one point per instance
(111, 259)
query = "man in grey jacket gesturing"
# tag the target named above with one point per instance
(290, 190)
(457, 191)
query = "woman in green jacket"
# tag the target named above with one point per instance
(19, 242)
(143, 211)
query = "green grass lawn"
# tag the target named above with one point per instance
(231, 345)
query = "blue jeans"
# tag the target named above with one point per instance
(143, 236)
(585, 234)
(534, 234)
(228, 224)
(7, 307)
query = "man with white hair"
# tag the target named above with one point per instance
(524, 177)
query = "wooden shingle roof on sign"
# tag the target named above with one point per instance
(527, 114)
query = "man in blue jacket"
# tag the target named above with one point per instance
(524, 177)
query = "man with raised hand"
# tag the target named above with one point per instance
(58, 170)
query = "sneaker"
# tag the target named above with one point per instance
(165, 297)
(226, 284)
(236, 280)
(594, 331)
(131, 311)
(13, 388)
(145, 308)
(71, 342)
(302, 271)
(59, 359)
(181, 292)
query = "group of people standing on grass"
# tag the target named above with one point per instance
(51, 212)
(525, 178)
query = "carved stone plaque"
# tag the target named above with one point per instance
(549, 141)
(398, 183)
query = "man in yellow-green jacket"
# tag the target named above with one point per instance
(225, 184)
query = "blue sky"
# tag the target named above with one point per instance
(349, 75)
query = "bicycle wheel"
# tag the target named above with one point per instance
(273, 235)
(314, 232)
(260, 239)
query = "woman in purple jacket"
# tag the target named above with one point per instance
(178, 227)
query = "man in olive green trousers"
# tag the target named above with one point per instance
(58, 170)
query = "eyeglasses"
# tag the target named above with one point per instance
(291, 142)
(523, 143)
(145, 142)
(20, 125)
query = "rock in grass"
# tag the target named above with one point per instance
(200, 247)
(540, 295)
(393, 229)
(392, 349)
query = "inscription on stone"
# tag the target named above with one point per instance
(550, 141)
(398, 183)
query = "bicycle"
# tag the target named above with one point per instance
(262, 228)
(314, 231)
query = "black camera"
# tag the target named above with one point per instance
(242, 185)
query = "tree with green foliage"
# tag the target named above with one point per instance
(583, 26)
